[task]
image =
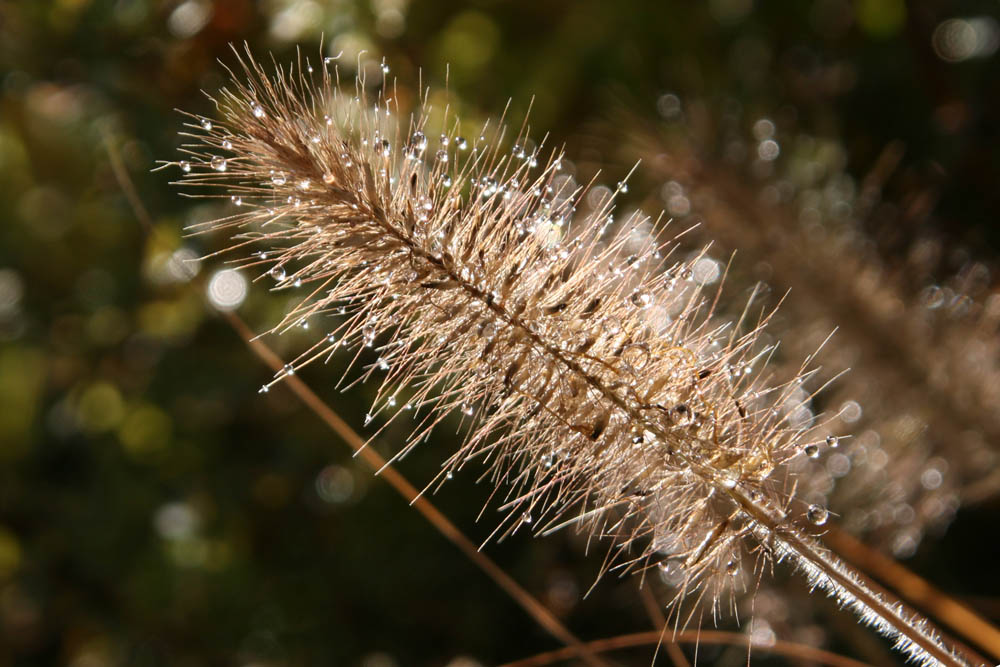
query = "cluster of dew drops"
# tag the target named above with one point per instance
(413, 149)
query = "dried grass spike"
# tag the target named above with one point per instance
(590, 369)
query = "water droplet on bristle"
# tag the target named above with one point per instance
(277, 272)
(488, 330)
(461, 143)
(671, 572)
(206, 124)
(185, 166)
(817, 515)
(832, 441)
(278, 178)
(289, 369)
(642, 299)
(368, 333)
(811, 450)
(258, 111)
(218, 163)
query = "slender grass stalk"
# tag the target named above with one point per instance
(788, 649)
(592, 373)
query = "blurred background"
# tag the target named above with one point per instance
(156, 510)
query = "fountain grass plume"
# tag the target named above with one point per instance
(592, 372)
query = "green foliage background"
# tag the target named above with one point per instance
(154, 509)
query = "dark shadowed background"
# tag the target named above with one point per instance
(156, 510)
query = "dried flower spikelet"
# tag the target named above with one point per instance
(588, 367)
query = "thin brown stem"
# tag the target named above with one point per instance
(785, 648)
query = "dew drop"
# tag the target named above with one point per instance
(526, 517)
(237, 200)
(449, 475)
(185, 166)
(811, 450)
(368, 418)
(468, 409)
(227, 144)
(278, 273)
(218, 163)
(442, 156)
(206, 124)
(385, 148)
(461, 143)
(444, 140)
(817, 514)
(289, 369)
(258, 111)
(382, 364)
(832, 441)
(671, 572)
(263, 389)
(488, 330)
(622, 186)
(278, 178)
(330, 338)
(732, 567)
(642, 299)
(391, 401)
(304, 184)
(368, 333)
